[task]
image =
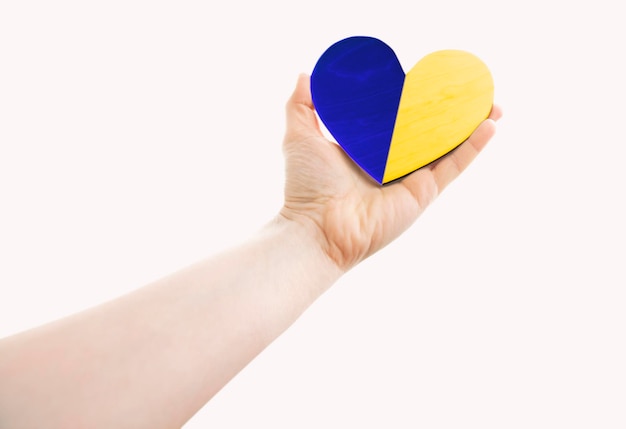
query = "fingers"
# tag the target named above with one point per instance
(450, 166)
(496, 112)
(302, 93)
(300, 111)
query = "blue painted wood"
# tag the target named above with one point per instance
(356, 87)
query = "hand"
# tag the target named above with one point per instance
(352, 216)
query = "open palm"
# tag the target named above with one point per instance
(351, 214)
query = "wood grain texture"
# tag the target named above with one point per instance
(445, 97)
(356, 87)
(391, 123)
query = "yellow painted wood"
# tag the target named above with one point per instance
(445, 97)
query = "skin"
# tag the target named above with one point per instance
(154, 357)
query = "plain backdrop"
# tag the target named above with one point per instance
(137, 137)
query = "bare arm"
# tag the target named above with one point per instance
(154, 357)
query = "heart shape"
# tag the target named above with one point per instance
(392, 124)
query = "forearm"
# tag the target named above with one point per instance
(154, 357)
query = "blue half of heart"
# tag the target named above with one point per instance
(356, 87)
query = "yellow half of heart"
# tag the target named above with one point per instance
(446, 95)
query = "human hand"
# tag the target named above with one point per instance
(350, 215)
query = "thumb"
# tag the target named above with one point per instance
(301, 118)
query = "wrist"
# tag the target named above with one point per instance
(304, 243)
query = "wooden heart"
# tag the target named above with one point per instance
(392, 124)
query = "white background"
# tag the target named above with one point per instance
(139, 136)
